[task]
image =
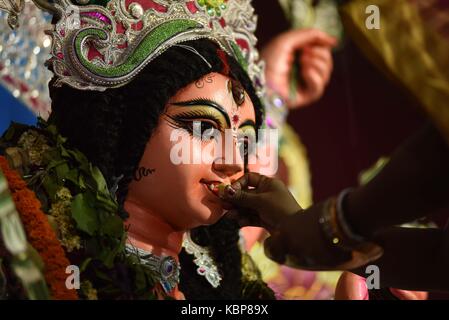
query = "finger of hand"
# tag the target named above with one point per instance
(313, 90)
(320, 66)
(314, 82)
(409, 295)
(243, 198)
(300, 99)
(298, 38)
(321, 53)
(351, 287)
(250, 179)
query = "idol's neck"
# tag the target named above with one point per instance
(149, 232)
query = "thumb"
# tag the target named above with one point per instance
(351, 287)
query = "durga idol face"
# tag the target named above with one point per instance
(184, 194)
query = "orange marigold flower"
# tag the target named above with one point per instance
(40, 234)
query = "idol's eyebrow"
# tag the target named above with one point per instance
(249, 123)
(205, 102)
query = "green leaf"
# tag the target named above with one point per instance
(78, 156)
(84, 214)
(105, 202)
(85, 264)
(64, 152)
(55, 162)
(102, 276)
(140, 279)
(52, 158)
(99, 179)
(112, 226)
(79, 159)
(107, 255)
(72, 176)
(82, 182)
(52, 129)
(50, 185)
(60, 140)
(62, 171)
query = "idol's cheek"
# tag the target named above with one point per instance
(213, 213)
(205, 209)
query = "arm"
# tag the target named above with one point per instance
(414, 183)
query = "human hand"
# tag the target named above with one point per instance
(316, 64)
(269, 204)
(353, 287)
(259, 201)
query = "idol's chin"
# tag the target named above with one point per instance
(214, 213)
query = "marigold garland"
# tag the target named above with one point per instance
(40, 234)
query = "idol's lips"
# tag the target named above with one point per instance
(213, 186)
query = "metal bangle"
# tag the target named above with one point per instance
(347, 230)
(328, 223)
(361, 252)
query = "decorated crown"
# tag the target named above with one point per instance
(100, 44)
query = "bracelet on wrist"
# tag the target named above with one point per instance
(341, 236)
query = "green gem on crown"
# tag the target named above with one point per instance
(213, 7)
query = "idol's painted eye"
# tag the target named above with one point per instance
(203, 125)
(201, 108)
(205, 130)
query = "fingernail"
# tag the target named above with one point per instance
(361, 290)
(230, 191)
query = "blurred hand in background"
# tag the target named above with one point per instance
(313, 47)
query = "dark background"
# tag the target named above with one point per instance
(361, 117)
